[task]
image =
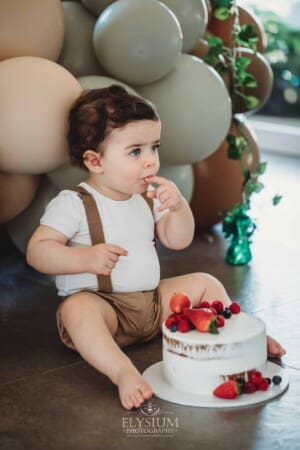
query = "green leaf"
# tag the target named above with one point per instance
(234, 152)
(261, 168)
(223, 2)
(231, 139)
(276, 199)
(251, 102)
(242, 63)
(221, 13)
(214, 41)
(221, 69)
(249, 81)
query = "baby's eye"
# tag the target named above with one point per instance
(155, 148)
(135, 152)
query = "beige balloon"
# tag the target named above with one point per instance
(96, 6)
(78, 54)
(137, 41)
(192, 16)
(21, 228)
(182, 176)
(31, 28)
(16, 193)
(35, 98)
(195, 110)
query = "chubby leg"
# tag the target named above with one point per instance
(202, 286)
(91, 323)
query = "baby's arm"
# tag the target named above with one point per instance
(176, 228)
(48, 252)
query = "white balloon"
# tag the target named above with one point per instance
(195, 110)
(78, 55)
(192, 16)
(182, 176)
(128, 45)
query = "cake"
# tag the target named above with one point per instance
(197, 362)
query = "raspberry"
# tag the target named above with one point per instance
(263, 385)
(220, 321)
(218, 305)
(235, 308)
(249, 387)
(204, 305)
(255, 377)
(172, 319)
(183, 326)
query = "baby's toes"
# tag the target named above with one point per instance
(146, 391)
(127, 402)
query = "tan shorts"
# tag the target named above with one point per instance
(138, 316)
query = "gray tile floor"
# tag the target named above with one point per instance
(51, 399)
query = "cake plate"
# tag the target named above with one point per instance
(154, 375)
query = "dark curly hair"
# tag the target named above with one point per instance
(97, 112)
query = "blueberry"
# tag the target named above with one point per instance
(241, 381)
(276, 379)
(227, 313)
(173, 327)
(269, 380)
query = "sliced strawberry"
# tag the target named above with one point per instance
(230, 389)
(218, 305)
(203, 319)
(179, 301)
(235, 308)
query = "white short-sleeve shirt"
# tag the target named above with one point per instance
(128, 223)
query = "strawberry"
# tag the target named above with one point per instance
(213, 310)
(183, 326)
(220, 321)
(204, 305)
(218, 305)
(249, 387)
(263, 385)
(255, 377)
(179, 301)
(235, 308)
(229, 389)
(203, 319)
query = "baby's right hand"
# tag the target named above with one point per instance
(104, 257)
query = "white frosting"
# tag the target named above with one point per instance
(198, 362)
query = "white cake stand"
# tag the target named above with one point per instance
(161, 388)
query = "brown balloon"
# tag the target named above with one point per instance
(16, 193)
(218, 181)
(261, 70)
(223, 28)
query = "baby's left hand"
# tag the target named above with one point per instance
(167, 193)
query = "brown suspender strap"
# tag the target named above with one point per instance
(95, 229)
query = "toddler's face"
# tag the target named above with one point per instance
(131, 155)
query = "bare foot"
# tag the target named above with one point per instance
(275, 350)
(133, 388)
